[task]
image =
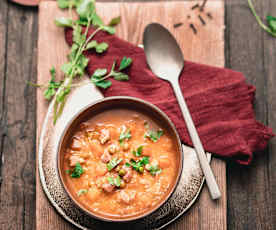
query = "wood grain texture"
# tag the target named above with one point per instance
(251, 191)
(206, 47)
(18, 117)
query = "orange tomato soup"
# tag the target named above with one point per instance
(120, 163)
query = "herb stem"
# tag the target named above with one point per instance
(267, 29)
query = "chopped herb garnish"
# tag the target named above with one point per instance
(137, 165)
(154, 135)
(67, 171)
(82, 192)
(116, 181)
(124, 135)
(77, 171)
(153, 169)
(110, 180)
(138, 152)
(127, 164)
(113, 163)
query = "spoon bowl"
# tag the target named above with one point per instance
(163, 54)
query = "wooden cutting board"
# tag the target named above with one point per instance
(206, 46)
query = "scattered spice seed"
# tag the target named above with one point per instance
(188, 16)
(195, 6)
(203, 5)
(202, 20)
(210, 15)
(193, 28)
(177, 24)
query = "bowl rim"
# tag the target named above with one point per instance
(103, 100)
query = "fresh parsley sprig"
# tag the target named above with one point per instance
(271, 28)
(100, 75)
(77, 62)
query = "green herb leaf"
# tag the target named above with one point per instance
(109, 29)
(154, 135)
(97, 76)
(115, 21)
(117, 181)
(78, 170)
(67, 68)
(138, 152)
(82, 192)
(100, 48)
(96, 20)
(52, 85)
(65, 3)
(124, 135)
(137, 164)
(125, 63)
(127, 164)
(104, 84)
(86, 8)
(272, 23)
(120, 76)
(91, 45)
(154, 169)
(78, 37)
(64, 22)
(113, 163)
(99, 73)
(110, 180)
(67, 171)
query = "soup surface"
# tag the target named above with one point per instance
(120, 163)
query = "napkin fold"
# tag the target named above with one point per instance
(219, 99)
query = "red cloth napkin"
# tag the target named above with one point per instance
(219, 99)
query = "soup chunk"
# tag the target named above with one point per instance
(120, 163)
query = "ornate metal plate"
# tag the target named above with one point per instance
(184, 196)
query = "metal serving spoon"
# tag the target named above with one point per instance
(166, 61)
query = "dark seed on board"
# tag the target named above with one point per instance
(203, 5)
(177, 24)
(195, 6)
(210, 15)
(188, 16)
(193, 28)
(202, 20)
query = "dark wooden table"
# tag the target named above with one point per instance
(251, 190)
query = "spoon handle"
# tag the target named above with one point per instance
(210, 179)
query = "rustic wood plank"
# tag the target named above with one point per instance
(17, 195)
(251, 198)
(3, 33)
(205, 214)
(269, 58)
